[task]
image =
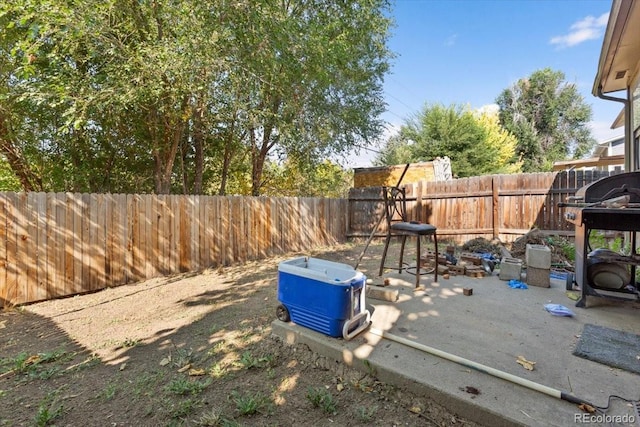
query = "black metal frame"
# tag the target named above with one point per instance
(595, 217)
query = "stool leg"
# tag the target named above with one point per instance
(384, 253)
(435, 243)
(404, 241)
(418, 261)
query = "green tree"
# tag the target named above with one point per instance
(549, 118)
(396, 151)
(313, 78)
(324, 179)
(473, 141)
(184, 96)
(8, 180)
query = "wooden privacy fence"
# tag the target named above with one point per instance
(58, 244)
(493, 206)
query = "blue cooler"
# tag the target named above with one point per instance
(325, 296)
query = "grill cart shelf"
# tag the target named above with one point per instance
(325, 296)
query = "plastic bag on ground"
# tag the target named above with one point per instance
(517, 284)
(558, 310)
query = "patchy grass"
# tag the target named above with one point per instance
(185, 351)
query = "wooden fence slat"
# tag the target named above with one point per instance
(11, 291)
(43, 251)
(22, 248)
(77, 243)
(4, 297)
(32, 246)
(69, 244)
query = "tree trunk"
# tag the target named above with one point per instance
(198, 146)
(167, 141)
(227, 156)
(29, 180)
(258, 156)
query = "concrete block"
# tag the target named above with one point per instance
(538, 256)
(539, 277)
(510, 269)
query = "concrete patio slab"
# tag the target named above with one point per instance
(492, 327)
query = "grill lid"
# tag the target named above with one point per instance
(612, 186)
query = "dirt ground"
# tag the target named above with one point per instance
(193, 349)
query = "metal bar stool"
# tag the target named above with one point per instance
(395, 202)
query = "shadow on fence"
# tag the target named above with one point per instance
(501, 207)
(58, 244)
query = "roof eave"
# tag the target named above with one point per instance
(610, 62)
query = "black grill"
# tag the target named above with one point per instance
(609, 204)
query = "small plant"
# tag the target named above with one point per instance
(16, 364)
(183, 386)
(248, 361)
(271, 373)
(217, 348)
(108, 392)
(130, 342)
(48, 410)
(145, 384)
(217, 370)
(183, 408)
(182, 357)
(366, 415)
(25, 364)
(215, 419)
(321, 398)
(371, 370)
(249, 404)
(45, 374)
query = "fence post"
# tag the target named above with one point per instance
(495, 206)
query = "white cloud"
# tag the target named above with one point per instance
(489, 109)
(451, 40)
(589, 28)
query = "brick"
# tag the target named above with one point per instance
(431, 255)
(457, 269)
(476, 274)
(469, 257)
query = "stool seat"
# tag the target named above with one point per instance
(414, 228)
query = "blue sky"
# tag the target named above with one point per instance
(466, 52)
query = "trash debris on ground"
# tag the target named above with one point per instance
(573, 295)
(482, 245)
(526, 364)
(558, 310)
(561, 248)
(517, 284)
